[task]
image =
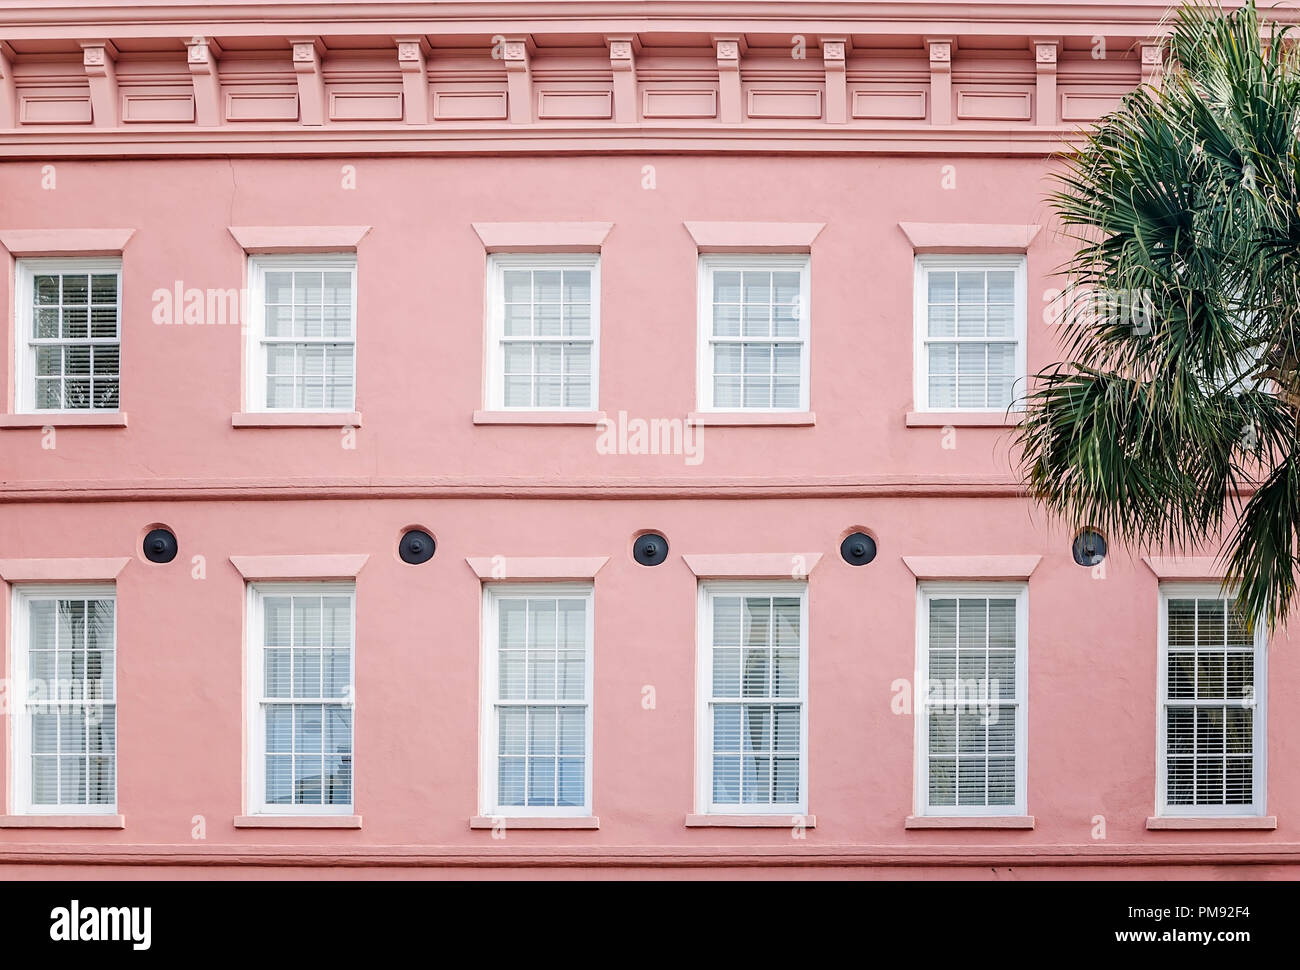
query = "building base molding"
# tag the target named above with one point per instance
(808, 856)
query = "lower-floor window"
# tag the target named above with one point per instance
(1212, 691)
(753, 711)
(537, 660)
(971, 661)
(65, 755)
(301, 655)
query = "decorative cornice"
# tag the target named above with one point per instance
(233, 18)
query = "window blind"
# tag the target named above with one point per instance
(756, 699)
(75, 340)
(307, 652)
(1209, 703)
(547, 337)
(756, 339)
(971, 701)
(542, 653)
(71, 702)
(308, 338)
(970, 339)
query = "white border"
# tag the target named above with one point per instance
(708, 590)
(494, 329)
(493, 593)
(709, 263)
(920, 363)
(255, 360)
(255, 723)
(926, 591)
(25, 270)
(1259, 726)
(20, 760)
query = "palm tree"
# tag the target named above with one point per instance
(1173, 419)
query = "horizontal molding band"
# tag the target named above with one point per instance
(607, 138)
(199, 490)
(616, 857)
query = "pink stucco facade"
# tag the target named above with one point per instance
(394, 135)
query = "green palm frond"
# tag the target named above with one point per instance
(1175, 418)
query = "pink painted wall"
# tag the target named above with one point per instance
(420, 309)
(546, 491)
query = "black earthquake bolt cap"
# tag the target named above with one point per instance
(416, 547)
(160, 546)
(858, 549)
(650, 549)
(1089, 548)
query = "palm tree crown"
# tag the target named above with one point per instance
(1174, 416)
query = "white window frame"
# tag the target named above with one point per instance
(254, 343)
(493, 594)
(920, 323)
(255, 678)
(25, 272)
(494, 352)
(19, 647)
(707, 592)
(926, 591)
(708, 265)
(1259, 726)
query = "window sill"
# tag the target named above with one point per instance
(587, 418)
(750, 821)
(296, 419)
(969, 822)
(62, 821)
(65, 419)
(297, 821)
(757, 419)
(534, 822)
(963, 419)
(1268, 822)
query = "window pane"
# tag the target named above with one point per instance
(726, 286)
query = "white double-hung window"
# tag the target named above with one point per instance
(752, 695)
(302, 333)
(69, 334)
(537, 670)
(970, 731)
(65, 718)
(1212, 729)
(300, 656)
(543, 332)
(753, 333)
(970, 332)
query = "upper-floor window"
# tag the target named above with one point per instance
(1213, 686)
(300, 654)
(69, 334)
(302, 333)
(543, 327)
(537, 658)
(65, 727)
(972, 648)
(752, 718)
(753, 342)
(970, 332)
